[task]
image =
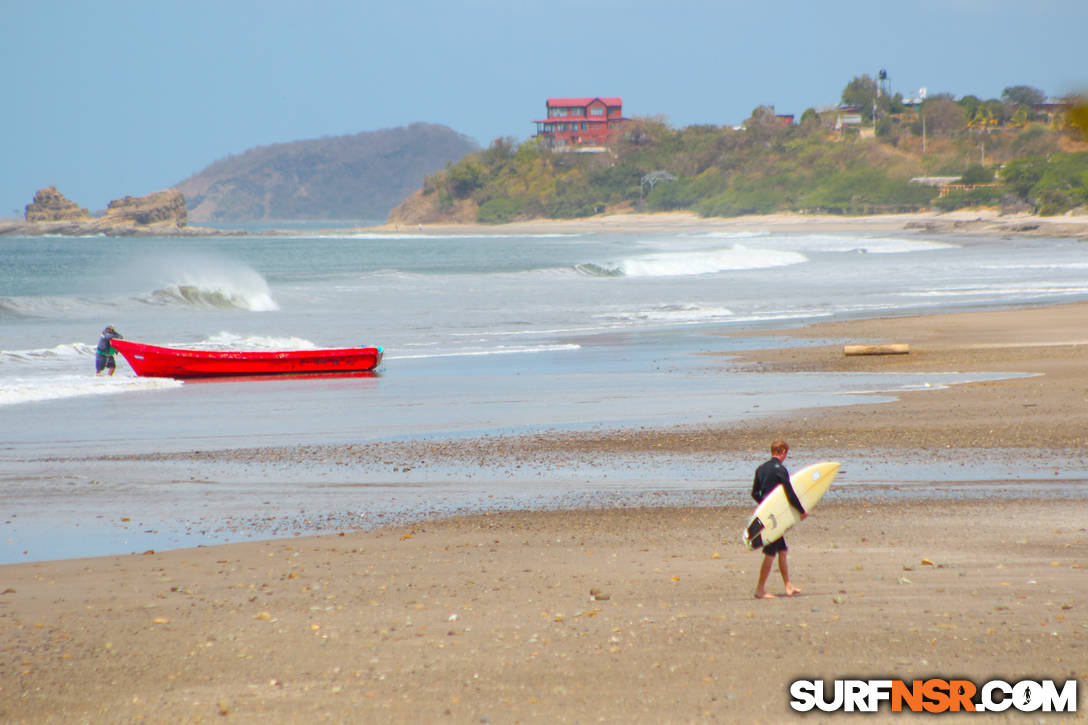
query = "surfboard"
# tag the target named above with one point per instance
(774, 515)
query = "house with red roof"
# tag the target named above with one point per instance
(584, 122)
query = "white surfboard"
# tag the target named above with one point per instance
(774, 515)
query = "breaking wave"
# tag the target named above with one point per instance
(59, 354)
(198, 279)
(254, 300)
(688, 263)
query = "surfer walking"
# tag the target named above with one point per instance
(768, 477)
(104, 353)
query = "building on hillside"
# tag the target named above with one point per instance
(579, 124)
(1051, 108)
(847, 117)
(849, 123)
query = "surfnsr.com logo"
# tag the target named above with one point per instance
(933, 695)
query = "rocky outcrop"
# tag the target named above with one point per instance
(161, 214)
(50, 205)
(157, 208)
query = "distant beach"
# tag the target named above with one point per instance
(966, 221)
(616, 614)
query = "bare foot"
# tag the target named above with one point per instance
(765, 595)
(791, 590)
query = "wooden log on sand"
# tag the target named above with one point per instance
(895, 348)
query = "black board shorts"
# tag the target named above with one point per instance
(775, 546)
(101, 362)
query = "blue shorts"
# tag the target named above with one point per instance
(101, 362)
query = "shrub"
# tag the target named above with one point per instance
(985, 196)
(498, 211)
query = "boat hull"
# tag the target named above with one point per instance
(167, 362)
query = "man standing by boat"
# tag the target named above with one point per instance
(104, 353)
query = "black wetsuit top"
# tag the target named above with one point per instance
(768, 476)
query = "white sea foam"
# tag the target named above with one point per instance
(688, 263)
(225, 340)
(869, 245)
(16, 390)
(1021, 291)
(732, 235)
(690, 313)
(501, 350)
(422, 235)
(67, 354)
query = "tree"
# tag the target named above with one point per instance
(977, 174)
(970, 105)
(810, 120)
(1023, 95)
(983, 120)
(1078, 115)
(861, 92)
(1020, 118)
(942, 116)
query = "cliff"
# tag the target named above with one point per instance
(360, 176)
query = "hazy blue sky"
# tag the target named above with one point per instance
(108, 97)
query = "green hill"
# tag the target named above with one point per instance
(360, 176)
(1005, 153)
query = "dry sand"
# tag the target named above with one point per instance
(490, 619)
(989, 222)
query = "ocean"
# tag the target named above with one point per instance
(484, 334)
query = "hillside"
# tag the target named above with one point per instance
(1015, 157)
(360, 176)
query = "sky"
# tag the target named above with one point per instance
(106, 98)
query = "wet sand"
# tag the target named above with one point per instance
(613, 615)
(608, 616)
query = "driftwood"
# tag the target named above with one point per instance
(896, 348)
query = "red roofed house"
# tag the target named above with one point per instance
(580, 121)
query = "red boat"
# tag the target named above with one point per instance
(167, 362)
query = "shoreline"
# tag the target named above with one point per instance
(1046, 408)
(965, 222)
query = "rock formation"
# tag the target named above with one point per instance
(50, 205)
(157, 208)
(162, 213)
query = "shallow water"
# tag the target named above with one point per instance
(484, 335)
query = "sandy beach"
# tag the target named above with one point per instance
(614, 615)
(961, 222)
